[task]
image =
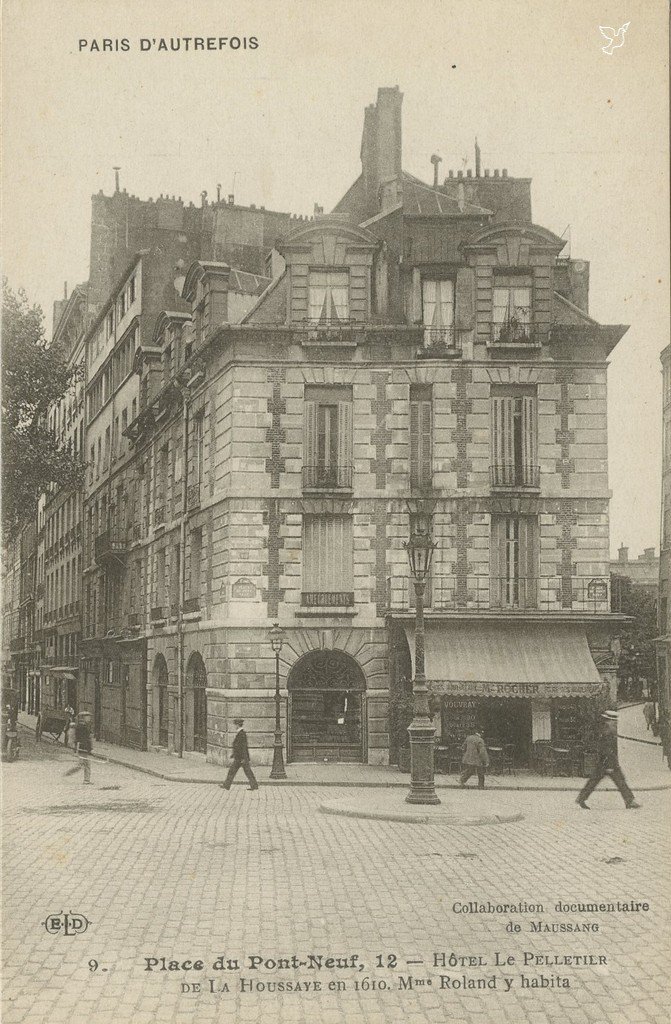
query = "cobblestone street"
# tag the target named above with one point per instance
(189, 872)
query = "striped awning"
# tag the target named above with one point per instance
(508, 659)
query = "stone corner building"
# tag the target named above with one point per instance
(279, 420)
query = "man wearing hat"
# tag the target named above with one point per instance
(240, 758)
(607, 764)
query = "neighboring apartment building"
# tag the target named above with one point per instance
(664, 604)
(423, 355)
(59, 560)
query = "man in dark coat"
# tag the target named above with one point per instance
(607, 764)
(240, 758)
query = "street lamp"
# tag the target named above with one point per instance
(420, 550)
(276, 640)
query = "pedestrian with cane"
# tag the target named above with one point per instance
(240, 758)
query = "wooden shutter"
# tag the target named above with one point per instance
(498, 442)
(529, 438)
(344, 444)
(528, 561)
(420, 441)
(310, 439)
(497, 542)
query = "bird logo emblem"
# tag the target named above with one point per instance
(615, 39)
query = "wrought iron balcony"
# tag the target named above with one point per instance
(438, 342)
(514, 332)
(587, 595)
(111, 547)
(327, 599)
(327, 477)
(512, 474)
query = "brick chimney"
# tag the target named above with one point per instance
(381, 146)
(623, 554)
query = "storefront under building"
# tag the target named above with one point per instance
(532, 689)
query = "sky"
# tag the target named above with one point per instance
(280, 126)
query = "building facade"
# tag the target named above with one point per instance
(273, 405)
(421, 355)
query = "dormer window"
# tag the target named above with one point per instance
(512, 309)
(329, 296)
(438, 312)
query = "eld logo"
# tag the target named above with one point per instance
(66, 924)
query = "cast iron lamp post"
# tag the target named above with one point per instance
(420, 550)
(276, 640)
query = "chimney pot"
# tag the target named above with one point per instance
(496, 173)
(486, 172)
(231, 199)
(451, 174)
(469, 173)
(623, 553)
(504, 172)
(460, 174)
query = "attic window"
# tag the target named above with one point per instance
(329, 296)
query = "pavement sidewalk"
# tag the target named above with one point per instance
(641, 761)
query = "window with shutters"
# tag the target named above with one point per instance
(327, 438)
(438, 312)
(514, 455)
(328, 561)
(511, 314)
(421, 475)
(514, 562)
(328, 299)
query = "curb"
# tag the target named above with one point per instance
(333, 785)
(415, 818)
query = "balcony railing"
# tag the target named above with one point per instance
(327, 599)
(135, 619)
(438, 341)
(111, 546)
(191, 604)
(513, 474)
(326, 478)
(589, 595)
(514, 332)
(157, 613)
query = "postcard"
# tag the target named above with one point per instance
(336, 512)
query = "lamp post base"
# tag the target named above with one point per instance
(422, 788)
(277, 771)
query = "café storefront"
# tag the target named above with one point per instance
(532, 689)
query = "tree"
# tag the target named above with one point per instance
(34, 375)
(637, 647)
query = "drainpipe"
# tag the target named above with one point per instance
(182, 569)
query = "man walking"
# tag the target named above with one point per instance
(83, 746)
(607, 764)
(240, 758)
(474, 759)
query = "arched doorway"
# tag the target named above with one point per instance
(327, 708)
(195, 709)
(161, 725)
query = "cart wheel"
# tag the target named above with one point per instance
(38, 728)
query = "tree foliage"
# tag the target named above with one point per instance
(637, 650)
(34, 375)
